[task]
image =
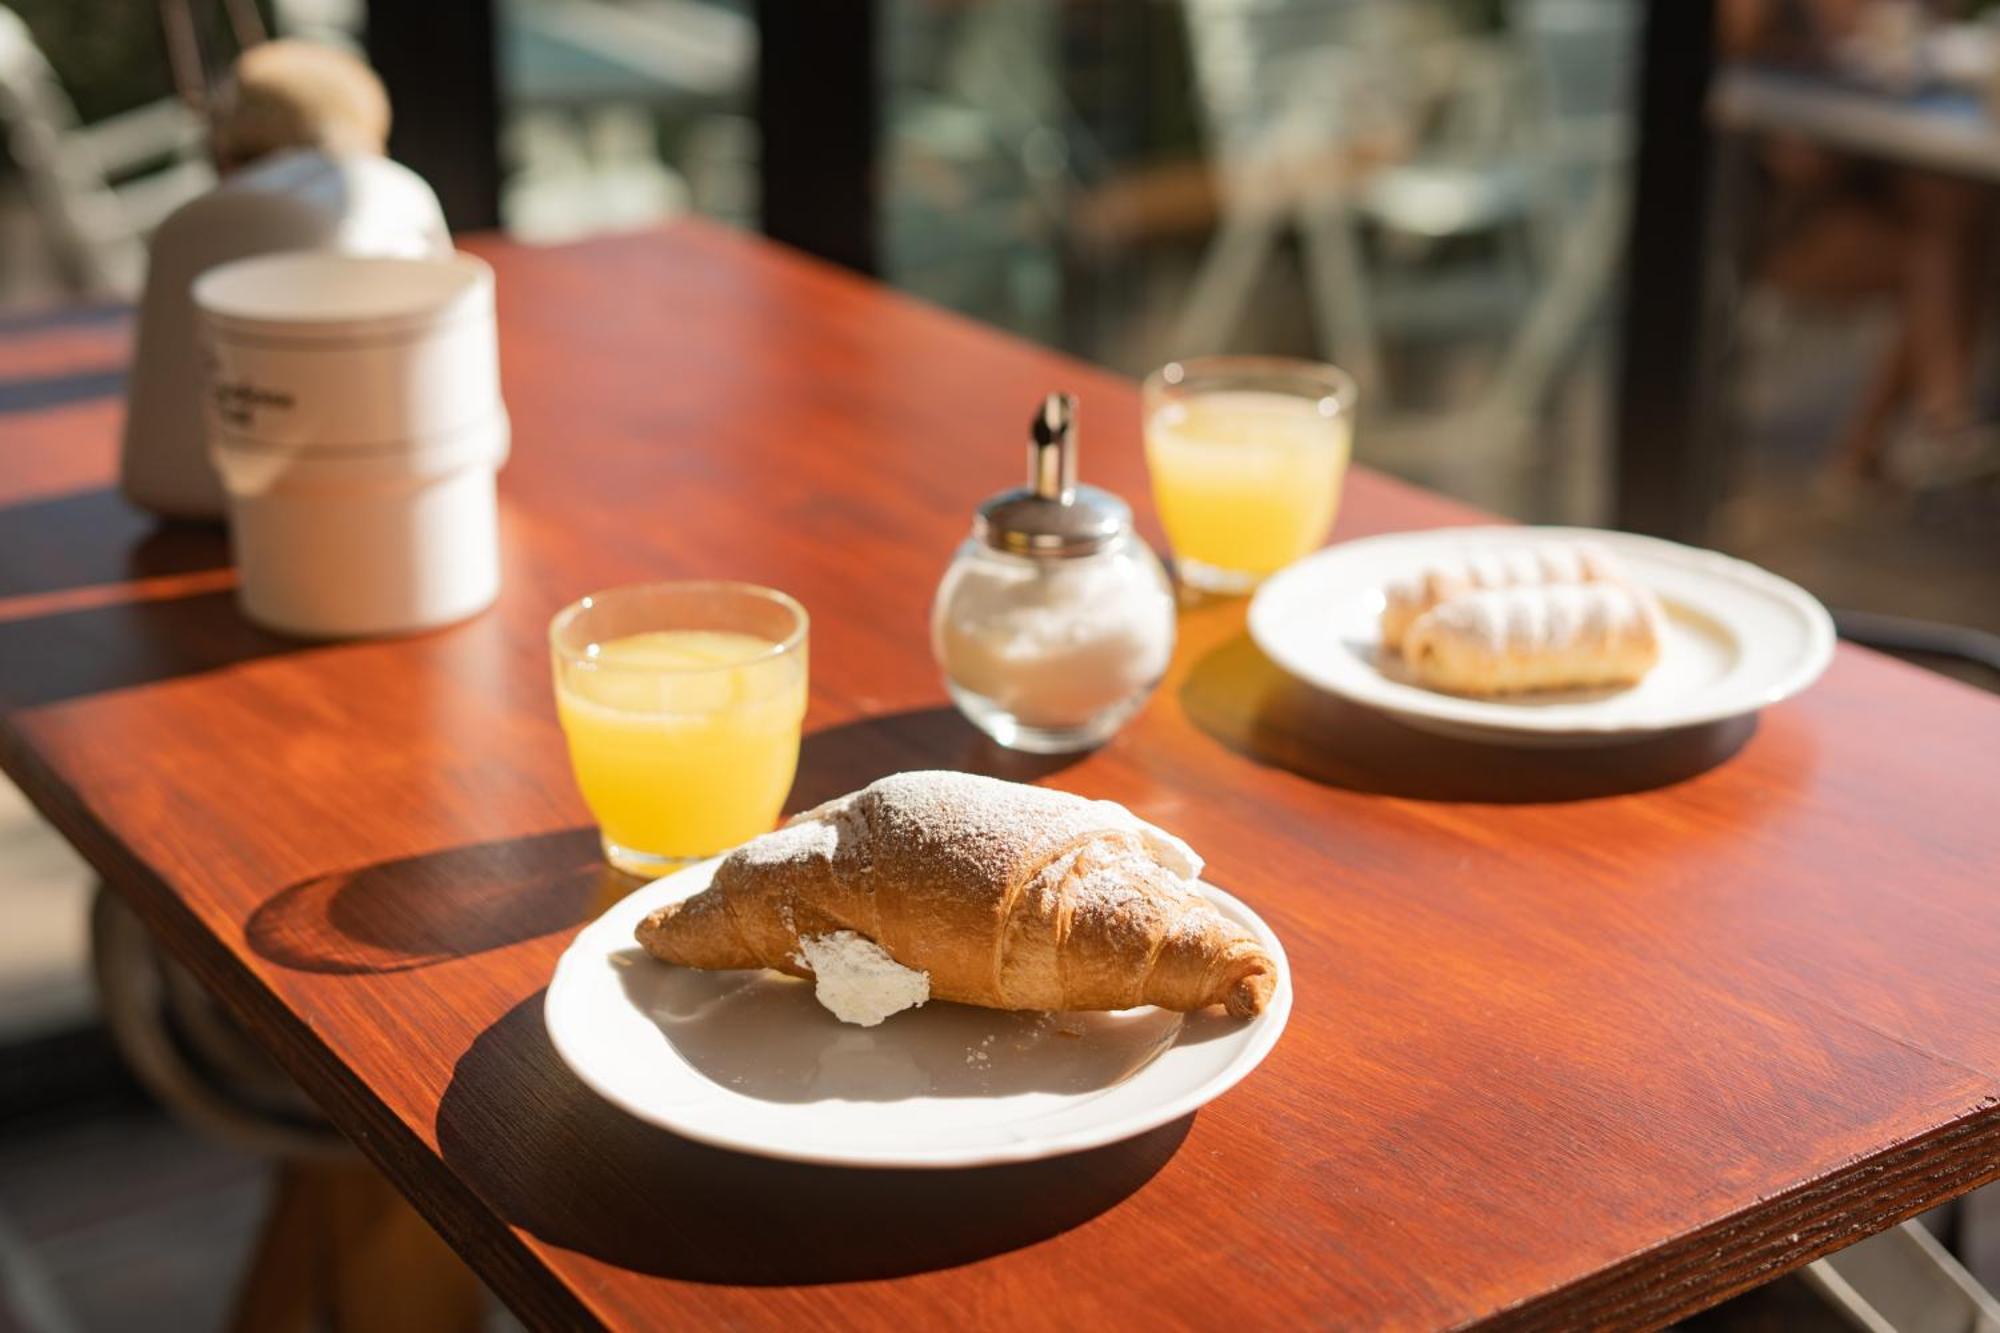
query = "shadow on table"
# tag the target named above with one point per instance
(64, 655)
(414, 911)
(836, 760)
(94, 537)
(594, 1180)
(1246, 702)
(419, 910)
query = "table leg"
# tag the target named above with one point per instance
(340, 1246)
(276, 1292)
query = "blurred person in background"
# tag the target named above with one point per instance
(1843, 228)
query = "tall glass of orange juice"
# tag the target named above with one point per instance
(1247, 454)
(682, 704)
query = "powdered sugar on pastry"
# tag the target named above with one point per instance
(815, 833)
(856, 979)
(1507, 640)
(1500, 564)
(986, 824)
(1009, 896)
(1515, 564)
(1163, 846)
(1537, 619)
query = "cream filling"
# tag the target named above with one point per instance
(857, 980)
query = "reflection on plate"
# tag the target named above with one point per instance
(1737, 639)
(749, 1060)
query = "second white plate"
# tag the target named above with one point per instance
(1737, 639)
(750, 1061)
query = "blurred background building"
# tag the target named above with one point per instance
(1719, 269)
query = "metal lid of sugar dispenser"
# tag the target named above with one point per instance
(1053, 515)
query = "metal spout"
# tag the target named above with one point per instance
(1052, 449)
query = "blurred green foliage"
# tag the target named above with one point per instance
(109, 54)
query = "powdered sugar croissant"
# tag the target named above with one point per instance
(1511, 640)
(1009, 896)
(1514, 563)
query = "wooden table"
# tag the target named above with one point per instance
(1580, 1037)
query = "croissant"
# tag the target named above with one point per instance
(1008, 896)
(1503, 564)
(1510, 640)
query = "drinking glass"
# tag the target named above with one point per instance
(1247, 454)
(682, 704)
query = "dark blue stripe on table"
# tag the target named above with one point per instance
(45, 391)
(62, 317)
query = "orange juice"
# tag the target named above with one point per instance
(1246, 481)
(684, 742)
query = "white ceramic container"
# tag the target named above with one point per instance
(329, 351)
(355, 421)
(351, 544)
(303, 199)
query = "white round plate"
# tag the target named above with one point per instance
(1737, 638)
(750, 1061)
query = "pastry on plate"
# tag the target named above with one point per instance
(1500, 564)
(956, 887)
(1547, 637)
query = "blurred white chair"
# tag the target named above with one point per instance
(1341, 118)
(98, 189)
(588, 83)
(1292, 95)
(982, 155)
(1573, 162)
(1903, 1281)
(338, 23)
(1584, 55)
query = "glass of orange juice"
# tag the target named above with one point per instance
(1247, 454)
(682, 704)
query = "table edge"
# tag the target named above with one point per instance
(1768, 1238)
(1774, 1236)
(472, 1228)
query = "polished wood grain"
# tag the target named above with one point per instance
(1579, 1038)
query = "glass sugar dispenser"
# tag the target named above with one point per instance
(1055, 620)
